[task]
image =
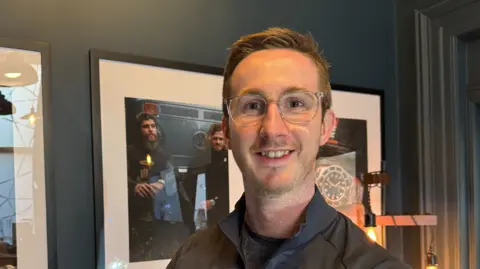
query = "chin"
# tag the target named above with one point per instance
(274, 183)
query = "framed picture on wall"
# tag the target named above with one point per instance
(162, 171)
(356, 147)
(27, 233)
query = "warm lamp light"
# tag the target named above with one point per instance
(31, 117)
(13, 75)
(370, 226)
(371, 233)
(15, 72)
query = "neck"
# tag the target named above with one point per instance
(279, 216)
(151, 145)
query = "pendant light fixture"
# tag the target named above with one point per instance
(15, 72)
(431, 259)
(370, 218)
(431, 262)
(31, 117)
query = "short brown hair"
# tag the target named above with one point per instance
(277, 38)
(216, 127)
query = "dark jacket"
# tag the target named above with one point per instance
(327, 240)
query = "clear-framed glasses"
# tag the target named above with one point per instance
(298, 107)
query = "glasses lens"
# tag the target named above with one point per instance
(247, 109)
(298, 106)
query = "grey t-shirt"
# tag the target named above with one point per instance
(257, 249)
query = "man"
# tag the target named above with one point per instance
(155, 216)
(216, 137)
(217, 176)
(211, 162)
(277, 114)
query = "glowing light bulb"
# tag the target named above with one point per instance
(13, 75)
(149, 160)
(431, 267)
(32, 119)
(370, 231)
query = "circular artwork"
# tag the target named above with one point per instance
(335, 184)
(199, 140)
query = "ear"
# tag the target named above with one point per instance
(225, 130)
(328, 125)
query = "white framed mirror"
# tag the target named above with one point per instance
(25, 211)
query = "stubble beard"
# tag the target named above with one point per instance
(151, 144)
(264, 191)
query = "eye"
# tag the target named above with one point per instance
(293, 103)
(253, 106)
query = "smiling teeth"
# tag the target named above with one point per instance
(275, 154)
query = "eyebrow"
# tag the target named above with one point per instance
(256, 91)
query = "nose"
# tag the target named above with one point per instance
(273, 124)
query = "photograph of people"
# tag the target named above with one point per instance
(156, 224)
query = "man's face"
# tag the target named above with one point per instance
(271, 73)
(149, 130)
(218, 141)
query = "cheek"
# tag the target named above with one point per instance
(242, 138)
(308, 137)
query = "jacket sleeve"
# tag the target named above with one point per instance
(392, 264)
(358, 251)
(173, 262)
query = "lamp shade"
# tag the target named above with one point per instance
(15, 72)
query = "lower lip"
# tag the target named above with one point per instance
(274, 161)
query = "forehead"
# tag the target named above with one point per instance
(149, 121)
(217, 134)
(274, 71)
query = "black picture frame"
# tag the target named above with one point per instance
(44, 49)
(95, 55)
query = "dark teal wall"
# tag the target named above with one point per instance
(358, 38)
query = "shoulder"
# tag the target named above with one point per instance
(132, 149)
(356, 250)
(200, 248)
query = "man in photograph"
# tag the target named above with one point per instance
(155, 215)
(211, 161)
(217, 176)
(277, 112)
(216, 138)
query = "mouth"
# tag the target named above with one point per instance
(275, 154)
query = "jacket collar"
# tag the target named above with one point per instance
(319, 216)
